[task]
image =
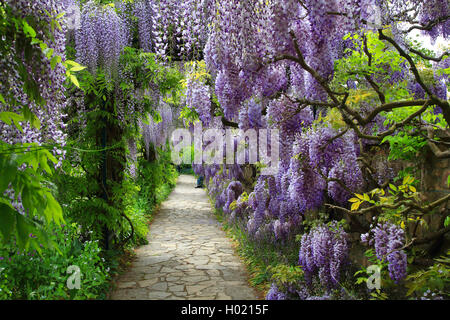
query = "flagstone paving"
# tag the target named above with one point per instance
(188, 256)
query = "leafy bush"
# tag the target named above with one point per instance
(28, 275)
(432, 283)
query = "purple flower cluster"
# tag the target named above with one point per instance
(231, 91)
(198, 96)
(145, 12)
(324, 252)
(432, 10)
(233, 191)
(50, 80)
(155, 133)
(101, 37)
(388, 240)
(275, 294)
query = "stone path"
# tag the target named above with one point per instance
(188, 255)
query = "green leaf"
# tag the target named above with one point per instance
(74, 80)
(28, 30)
(360, 280)
(43, 160)
(53, 62)
(54, 209)
(43, 46)
(23, 230)
(11, 117)
(49, 53)
(77, 68)
(50, 156)
(447, 222)
(31, 117)
(355, 206)
(8, 168)
(359, 272)
(72, 63)
(394, 188)
(7, 220)
(59, 16)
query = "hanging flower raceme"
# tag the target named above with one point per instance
(234, 190)
(324, 252)
(432, 11)
(275, 294)
(156, 133)
(145, 12)
(101, 37)
(51, 80)
(388, 240)
(197, 93)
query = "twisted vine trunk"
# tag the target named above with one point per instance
(112, 164)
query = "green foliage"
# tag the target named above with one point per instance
(375, 59)
(407, 143)
(27, 275)
(286, 275)
(404, 146)
(20, 35)
(386, 283)
(26, 165)
(146, 71)
(188, 115)
(434, 280)
(373, 260)
(393, 204)
(384, 61)
(31, 185)
(156, 179)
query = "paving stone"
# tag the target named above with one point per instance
(180, 294)
(131, 294)
(240, 293)
(195, 279)
(160, 286)
(221, 296)
(172, 279)
(151, 276)
(203, 298)
(126, 285)
(147, 283)
(194, 289)
(213, 272)
(167, 270)
(176, 288)
(158, 295)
